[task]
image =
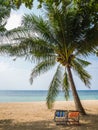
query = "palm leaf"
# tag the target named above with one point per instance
(54, 87)
(83, 74)
(84, 63)
(41, 68)
(66, 85)
(29, 47)
(40, 26)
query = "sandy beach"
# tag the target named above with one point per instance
(36, 116)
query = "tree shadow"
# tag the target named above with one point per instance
(34, 125)
(88, 122)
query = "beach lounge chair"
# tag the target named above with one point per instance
(64, 117)
(73, 117)
(61, 117)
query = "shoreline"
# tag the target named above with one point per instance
(45, 101)
(36, 115)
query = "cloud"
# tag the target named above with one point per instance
(14, 20)
(16, 15)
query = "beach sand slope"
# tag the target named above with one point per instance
(36, 116)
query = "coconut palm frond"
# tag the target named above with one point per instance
(66, 86)
(28, 47)
(83, 74)
(37, 48)
(17, 33)
(41, 68)
(54, 87)
(40, 26)
(57, 18)
(7, 48)
(84, 63)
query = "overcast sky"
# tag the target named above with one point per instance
(14, 75)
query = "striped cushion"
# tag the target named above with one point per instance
(73, 114)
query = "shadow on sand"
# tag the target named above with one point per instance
(88, 122)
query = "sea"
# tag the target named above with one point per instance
(40, 95)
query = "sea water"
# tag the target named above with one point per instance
(35, 95)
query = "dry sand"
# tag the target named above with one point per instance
(36, 116)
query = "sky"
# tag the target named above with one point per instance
(14, 75)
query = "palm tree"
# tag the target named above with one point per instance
(62, 39)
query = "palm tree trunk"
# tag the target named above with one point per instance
(77, 101)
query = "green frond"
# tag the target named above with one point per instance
(19, 32)
(83, 74)
(54, 87)
(84, 63)
(58, 22)
(30, 48)
(40, 26)
(7, 49)
(66, 85)
(41, 68)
